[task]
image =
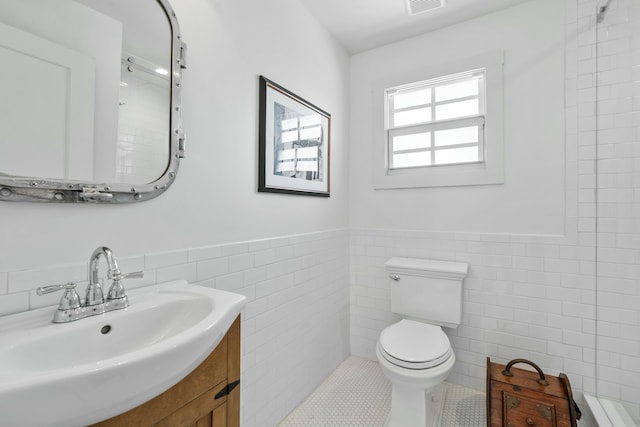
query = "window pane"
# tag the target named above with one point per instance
(411, 98)
(307, 153)
(412, 117)
(289, 124)
(412, 141)
(289, 136)
(310, 133)
(285, 167)
(457, 109)
(456, 136)
(314, 119)
(457, 90)
(410, 160)
(457, 155)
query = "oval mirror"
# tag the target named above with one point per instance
(91, 100)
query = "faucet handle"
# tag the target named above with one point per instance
(116, 291)
(52, 288)
(70, 298)
(119, 276)
(133, 275)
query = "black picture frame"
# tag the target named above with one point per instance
(294, 143)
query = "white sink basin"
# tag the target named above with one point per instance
(77, 373)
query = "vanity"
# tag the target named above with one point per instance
(208, 396)
(171, 357)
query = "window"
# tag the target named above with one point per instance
(440, 126)
(436, 122)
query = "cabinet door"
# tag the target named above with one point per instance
(205, 411)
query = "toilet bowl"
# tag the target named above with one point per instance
(416, 358)
(415, 353)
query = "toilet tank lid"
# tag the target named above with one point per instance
(428, 267)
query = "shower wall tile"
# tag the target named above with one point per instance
(618, 230)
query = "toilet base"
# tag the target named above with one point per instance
(416, 408)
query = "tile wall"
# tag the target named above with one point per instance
(524, 297)
(295, 326)
(616, 81)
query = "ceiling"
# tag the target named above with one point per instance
(361, 25)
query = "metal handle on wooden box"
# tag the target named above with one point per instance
(507, 370)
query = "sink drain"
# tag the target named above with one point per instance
(105, 329)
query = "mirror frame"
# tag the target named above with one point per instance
(30, 189)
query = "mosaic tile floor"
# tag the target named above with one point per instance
(358, 394)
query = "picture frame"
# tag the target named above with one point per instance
(294, 143)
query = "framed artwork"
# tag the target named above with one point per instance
(294, 140)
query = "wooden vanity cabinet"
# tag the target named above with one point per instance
(207, 397)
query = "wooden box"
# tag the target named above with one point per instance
(524, 398)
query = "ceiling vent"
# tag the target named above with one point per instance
(418, 6)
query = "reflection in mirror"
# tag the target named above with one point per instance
(89, 104)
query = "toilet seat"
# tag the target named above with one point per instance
(414, 345)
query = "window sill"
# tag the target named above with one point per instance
(440, 176)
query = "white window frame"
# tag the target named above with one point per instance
(433, 125)
(488, 171)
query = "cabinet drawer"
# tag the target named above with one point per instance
(199, 412)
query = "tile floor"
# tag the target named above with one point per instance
(357, 394)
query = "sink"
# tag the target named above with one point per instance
(78, 373)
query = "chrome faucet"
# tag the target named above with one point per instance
(71, 308)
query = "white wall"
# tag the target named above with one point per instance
(214, 198)
(531, 200)
(288, 254)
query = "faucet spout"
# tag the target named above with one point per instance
(95, 295)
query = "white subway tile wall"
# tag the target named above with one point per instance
(616, 81)
(295, 327)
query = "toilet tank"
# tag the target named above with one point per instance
(427, 290)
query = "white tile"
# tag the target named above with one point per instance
(230, 282)
(167, 258)
(235, 248)
(358, 394)
(26, 280)
(212, 268)
(204, 252)
(264, 257)
(241, 262)
(177, 272)
(259, 245)
(14, 303)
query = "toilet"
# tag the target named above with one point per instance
(415, 353)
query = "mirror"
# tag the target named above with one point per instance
(90, 107)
